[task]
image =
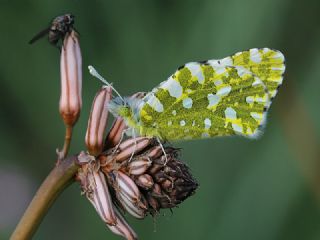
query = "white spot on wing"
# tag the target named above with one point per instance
(238, 128)
(207, 123)
(256, 116)
(155, 103)
(205, 135)
(219, 69)
(196, 70)
(281, 68)
(265, 50)
(182, 123)
(187, 103)
(279, 55)
(224, 91)
(261, 100)
(230, 113)
(255, 55)
(174, 112)
(250, 99)
(242, 71)
(174, 87)
(227, 61)
(169, 123)
(217, 82)
(213, 100)
(257, 81)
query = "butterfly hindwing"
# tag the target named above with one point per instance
(217, 97)
(214, 98)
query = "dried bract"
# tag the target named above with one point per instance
(95, 188)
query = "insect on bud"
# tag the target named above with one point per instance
(71, 79)
(97, 121)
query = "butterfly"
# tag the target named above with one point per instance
(225, 97)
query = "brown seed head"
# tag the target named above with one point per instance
(151, 181)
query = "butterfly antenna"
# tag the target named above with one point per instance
(95, 73)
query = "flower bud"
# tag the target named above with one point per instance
(94, 186)
(71, 79)
(98, 121)
(115, 134)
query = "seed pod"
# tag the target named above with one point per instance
(139, 166)
(155, 152)
(133, 145)
(129, 195)
(71, 79)
(132, 207)
(97, 121)
(94, 186)
(122, 228)
(144, 181)
(153, 203)
(127, 186)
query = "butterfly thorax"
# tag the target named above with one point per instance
(129, 109)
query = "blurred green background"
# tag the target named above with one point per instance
(262, 189)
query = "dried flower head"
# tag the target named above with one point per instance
(134, 176)
(150, 180)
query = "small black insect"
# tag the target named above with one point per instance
(60, 26)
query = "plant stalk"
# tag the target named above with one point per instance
(57, 180)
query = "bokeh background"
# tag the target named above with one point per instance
(262, 189)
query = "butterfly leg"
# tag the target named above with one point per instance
(164, 152)
(120, 141)
(135, 144)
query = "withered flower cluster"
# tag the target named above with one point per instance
(118, 175)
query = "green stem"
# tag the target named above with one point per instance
(58, 179)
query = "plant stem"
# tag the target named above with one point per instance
(67, 140)
(58, 179)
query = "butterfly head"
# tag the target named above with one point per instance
(119, 107)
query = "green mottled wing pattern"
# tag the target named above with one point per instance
(214, 98)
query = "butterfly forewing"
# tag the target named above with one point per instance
(214, 98)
